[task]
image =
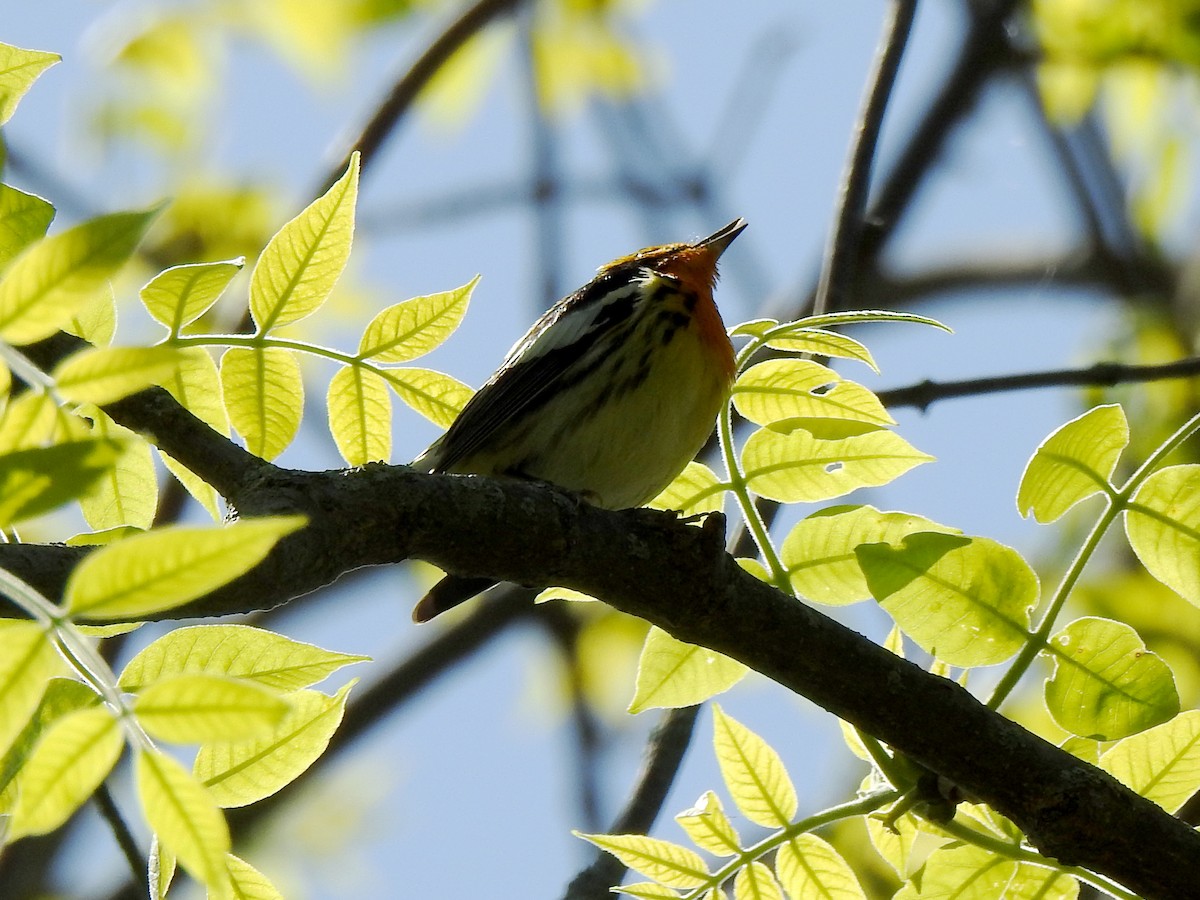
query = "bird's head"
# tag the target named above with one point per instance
(694, 264)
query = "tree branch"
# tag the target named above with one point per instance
(842, 251)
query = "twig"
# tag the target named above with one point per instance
(664, 753)
(1105, 374)
(128, 843)
(400, 99)
(984, 50)
(842, 250)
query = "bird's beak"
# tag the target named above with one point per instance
(717, 242)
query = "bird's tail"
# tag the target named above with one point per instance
(447, 594)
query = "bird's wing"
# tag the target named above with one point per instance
(533, 370)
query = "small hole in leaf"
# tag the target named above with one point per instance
(833, 467)
(822, 389)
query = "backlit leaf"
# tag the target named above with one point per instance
(96, 322)
(854, 317)
(68, 763)
(24, 218)
(102, 375)
(56, 277)
(413, 328)
(184, 817)
(753, 772)
(240, 651)
(809, 867)
(818, 462)
(248, 882)
(666, 863)
(238, 773)
(819, 550)
(1073, 463)
(168, 567)
(188, 709)
(264, 394)
(1163, 525)
(28, 421)
(1162, 763)
(965, 600)
(39, 479)
(127, 493)
(302, 262)
(436, 396)
(196, 384)
(27, 660)
(821, 342)
(695, 490)
(360, 415)
(709, 828)
(781, 389)
(1106, 685)
(673, 674)
(755, 882)
(972, 873)
(19, 69)
(181, 294)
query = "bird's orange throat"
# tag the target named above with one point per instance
(696, 269)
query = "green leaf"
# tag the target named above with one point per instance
(964, 600)
(1073, 463)
(27, 660)
(672, 674)
(1106, 685)
(782, 389)
(61, 696)
(127, 493)
(239, 651)
(264, 394)
(709, 828)
(72, 758)
(436, 396)
(160, 867)
(184, 817)
(694, 491)
(96, 323)
(1163, 525)
(19, 69)
(1162, 764)
(413, 328)
(819, 551)
(168, 567)
(248, 882)
(243, 772)
(753, 772)
(818, 462)
(188, 709)
(789, 330)
(755, 882)
(809, 867)
(972, 873)
(648, 890)
(753, 327)
(55, 278)
(360, 415)
(103, 375)
(820, 342)
(181, 294)
(24, 219)
(28, 421)
(197, 386)
(667, 863)
(302, 262)
(39, 479)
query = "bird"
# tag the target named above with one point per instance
(610, 394)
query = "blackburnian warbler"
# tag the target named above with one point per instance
(610, 393)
